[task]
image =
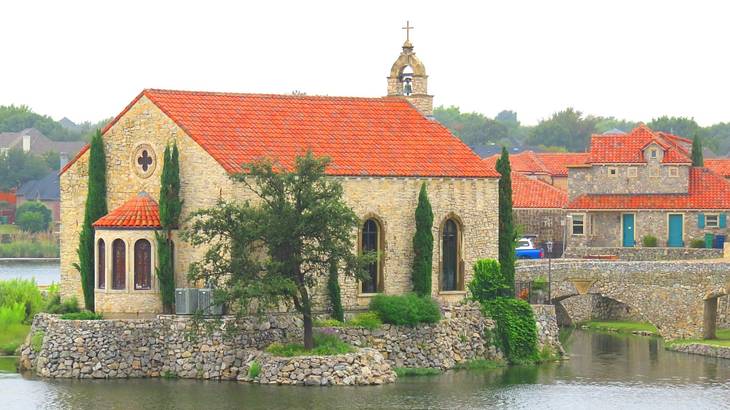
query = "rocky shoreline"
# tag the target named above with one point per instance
(702, 349)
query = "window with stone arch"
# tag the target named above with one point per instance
(119, 264)
(142, 265)
(101, 264)
(451, 272)
(372, 240)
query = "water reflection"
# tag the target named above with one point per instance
(604, 371)
(44, 273)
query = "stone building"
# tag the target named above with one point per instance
(643, 184)
(382, 150)
(539, 211)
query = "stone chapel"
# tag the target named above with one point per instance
(382, 149)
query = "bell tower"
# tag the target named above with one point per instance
(408, 78)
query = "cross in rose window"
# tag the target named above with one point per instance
(145, 160)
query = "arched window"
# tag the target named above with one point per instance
(450, 256)
(101, 264)
(370, 241)
(119, 264)
(142, 265)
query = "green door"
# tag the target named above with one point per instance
(628, 230)
(676, 223)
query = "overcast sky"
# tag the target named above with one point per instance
(629, 59)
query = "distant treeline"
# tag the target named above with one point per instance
(567, 130)
(14, 118)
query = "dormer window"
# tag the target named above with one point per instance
(652, 153)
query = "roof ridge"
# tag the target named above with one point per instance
(269, 95)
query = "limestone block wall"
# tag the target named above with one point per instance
(604, 229)
(473, 202)
(651, 178)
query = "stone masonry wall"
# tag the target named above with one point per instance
(651, 178)
(224, 349)
(545, 223)
(473, 202)
(645, 254)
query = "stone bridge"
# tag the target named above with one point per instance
(678, 297)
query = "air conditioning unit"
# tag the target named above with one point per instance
(186, 301)
(205, 303)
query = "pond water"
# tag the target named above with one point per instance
(44, 272)
(604, 371)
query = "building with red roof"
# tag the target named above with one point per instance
(640, 185)
(381, 149)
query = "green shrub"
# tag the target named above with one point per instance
(368, 320)
(83, 315)
(23, 291)
(36, 341)
(409, 309)
(254, 370)
(540, 283)
(333, 291)
(480, 364)
(328, 323)
(56, 306)
(649, 241)
(29, 249)
(11, 315)
(12, 337)
(33, 216)
(516, 331)
(416, 371)
(324, 345)
(488, 282)
(168, 375)
(697, 243)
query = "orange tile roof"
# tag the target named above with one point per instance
(550, 163)
(707, 190)
(139, 212)
(720, 166)
(532, 193)
(628, 148)
(8, 197)
(363, 136)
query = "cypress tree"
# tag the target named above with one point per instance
(697, 158)
(333, 289)
(94, 209)
(423, 245)
(170, 206)
(506, 224)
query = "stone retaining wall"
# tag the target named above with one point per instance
(548, 333)
(644, 254)
(701, 349)
(364, 367)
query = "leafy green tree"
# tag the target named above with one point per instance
(277, 249)
(33, 216)
(609, 123)
(170, 207)
(682, 126)
(52, 160)
(488, 282)
(697, 158)
(567, 128)
(18, 167)
(506, 224)
(94, 209)
(423, 245)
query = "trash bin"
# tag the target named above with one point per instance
(720, 241)
(708, 240)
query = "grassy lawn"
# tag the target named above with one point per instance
(723, 339)
(12, 337)
(620, 326)
(324, 345)
(8, 229)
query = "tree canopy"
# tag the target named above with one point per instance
(17, 167)
(15, 118)
(277, 249)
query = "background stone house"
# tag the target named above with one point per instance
(382, 150)
(46, 190)
(642, 184)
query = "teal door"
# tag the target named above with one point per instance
(628, 230)
(676, 223)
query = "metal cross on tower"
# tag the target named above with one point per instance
(408, 29)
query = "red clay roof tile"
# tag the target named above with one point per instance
(720, 166)
(532, 193)
(363, 136)
(628, 148)
(139, 212)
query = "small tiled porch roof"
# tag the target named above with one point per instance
(139, 212)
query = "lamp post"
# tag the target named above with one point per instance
(550, 271)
